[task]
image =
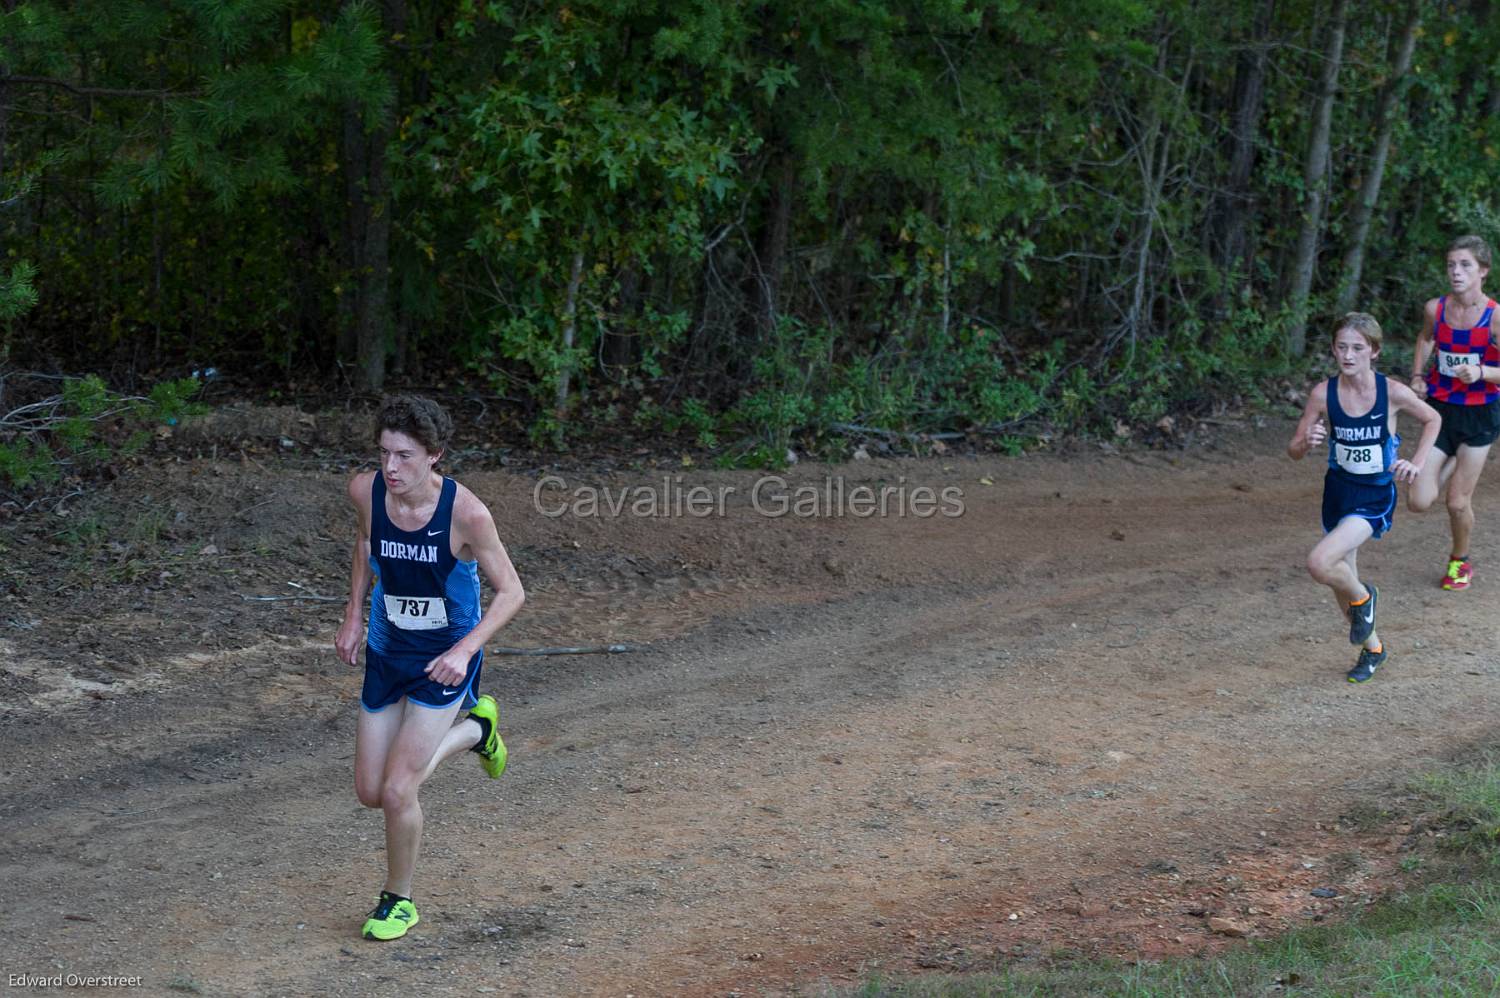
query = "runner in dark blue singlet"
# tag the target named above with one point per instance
(1361, 453)
(1359, 488)
(425, 600)
(424, 540)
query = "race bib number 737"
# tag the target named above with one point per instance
(416, 613)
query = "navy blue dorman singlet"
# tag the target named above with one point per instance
(1362, 449)
(425, 599)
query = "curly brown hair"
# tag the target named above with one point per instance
(418, 417)
(1475, 245)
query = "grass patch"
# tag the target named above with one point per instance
(1440, 937)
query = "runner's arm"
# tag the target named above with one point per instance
(1489, 361)
(1406, 400)
(1422, 351)
(476, 529)
(1310, 430)
(352, 630)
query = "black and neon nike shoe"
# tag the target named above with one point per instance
(392, 916)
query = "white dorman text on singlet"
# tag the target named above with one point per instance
(1449, 363)
(416, 613)
(1358, 459)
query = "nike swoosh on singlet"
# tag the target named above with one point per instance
(433, 533)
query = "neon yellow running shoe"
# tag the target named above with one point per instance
(492, 753)
(391, 918)
(1460, 574)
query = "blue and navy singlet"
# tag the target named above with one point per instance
(1361, 449)
(425, 599)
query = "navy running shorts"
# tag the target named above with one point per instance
(1341, 498)
(388, 678)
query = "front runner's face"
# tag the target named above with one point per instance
(1464, 271)
(1353, 353)
(404, 462)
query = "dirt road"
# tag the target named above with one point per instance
(1102, 705)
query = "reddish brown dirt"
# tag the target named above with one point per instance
(1098, 710)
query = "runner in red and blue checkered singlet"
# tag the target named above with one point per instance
(1457, 348)
(1463, 384)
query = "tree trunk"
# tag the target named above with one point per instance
(1315, 182)
(1230, 243)
(1153, 162)
(619, 339)
(401, 354)
(773, 246)
(369, 227)
(372, 329)
(352, 156)
(364, 339)
(569, 328)
(1364, 208)
(947, 306)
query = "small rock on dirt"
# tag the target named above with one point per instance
(1231, 927)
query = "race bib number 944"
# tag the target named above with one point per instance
(416, 613)
(1449, 363)
(1363, 459)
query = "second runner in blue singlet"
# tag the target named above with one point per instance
(1361, 451)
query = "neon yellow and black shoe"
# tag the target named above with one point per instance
(392, 916)
(489, 748)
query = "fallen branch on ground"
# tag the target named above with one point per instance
(278, 599)
(584, 650)
(578, 650)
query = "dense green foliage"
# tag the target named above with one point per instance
(83, 425)
(746, 220)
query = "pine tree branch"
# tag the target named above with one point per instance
(49, 81)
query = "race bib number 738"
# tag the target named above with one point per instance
(1363, 459)
(416, 613)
